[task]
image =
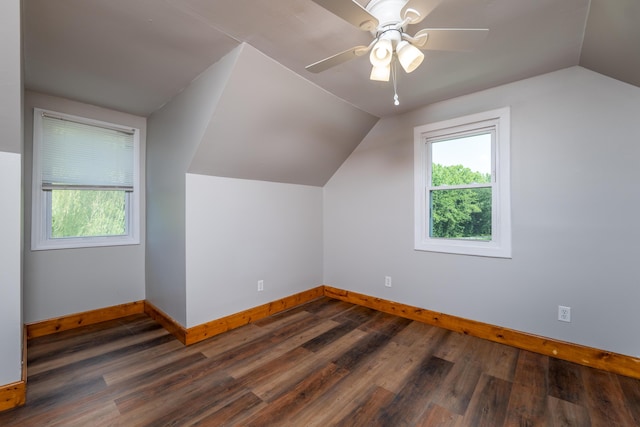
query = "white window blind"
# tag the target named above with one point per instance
(78, 155)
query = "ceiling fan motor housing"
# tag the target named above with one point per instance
(387, 12)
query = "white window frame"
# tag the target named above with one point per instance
(41, 200)
(500, 243)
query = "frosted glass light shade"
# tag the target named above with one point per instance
(382, 53)
(380, 74)
(409, 56)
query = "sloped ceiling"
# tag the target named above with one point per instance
(272, 125)
(612, 40)
(134, 56)
(131, 56)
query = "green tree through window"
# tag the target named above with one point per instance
(460, 213)
(85, 213)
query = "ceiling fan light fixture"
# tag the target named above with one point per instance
(382, 53)
(380, 74)
(409, 56)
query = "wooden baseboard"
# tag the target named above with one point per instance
(167, 322)
(15, 394)
(12, 395)
(72, 321)
(201, 332)
(587, 356)
(218, 326)
(185, 335)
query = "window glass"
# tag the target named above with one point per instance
(461, 214)
(88, 213)
(462, 160)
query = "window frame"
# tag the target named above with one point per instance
(41, 199)
(500, 244)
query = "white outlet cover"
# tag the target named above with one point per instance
(564, 313)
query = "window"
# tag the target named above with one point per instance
(85, 183)
(462, 201)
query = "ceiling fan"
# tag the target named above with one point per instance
(387, 20)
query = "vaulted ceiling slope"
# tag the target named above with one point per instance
(131, 56)
(612, 40)
(134, 56)
(270, 124)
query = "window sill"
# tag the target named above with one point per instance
(78, 243)
(483, 249)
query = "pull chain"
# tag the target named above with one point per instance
(395, 83)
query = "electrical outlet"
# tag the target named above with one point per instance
(387, 281)
(564, 313)
(260, 285)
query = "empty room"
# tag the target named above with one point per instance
(319, 212)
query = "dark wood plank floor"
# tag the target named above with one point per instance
(322, 364)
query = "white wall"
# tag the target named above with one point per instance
(10, 303)
(10, 192)
(10, 77)
(241, 231)
(66, 281)
(575, 204)
(175, 131)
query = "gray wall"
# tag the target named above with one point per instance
(10, 263)
(241, 231)
(10, 192)
(575, 202)
(236, 121)
(65, 281)
(175, 131)
(10, 77)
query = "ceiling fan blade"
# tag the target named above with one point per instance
(422, 7)
(455, 39)
(351, 12)
(337, 59)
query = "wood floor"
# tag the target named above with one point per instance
(326, 363)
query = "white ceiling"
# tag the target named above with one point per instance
(135, 55)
